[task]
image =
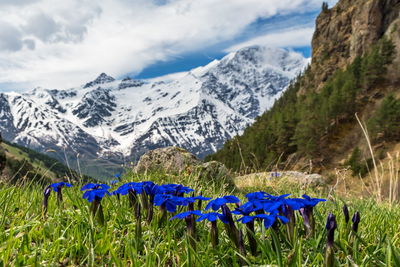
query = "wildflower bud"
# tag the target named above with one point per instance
(191, 230)
(59, 195)
(214, 234)
(330, 227)
(356, 220)
(97, 210)
(138, 236)
(231, 228)
(308, 218)
(199, 204)
(251, 237)
(163, 216)
(329, 253)
(132, 197)
(46, 195)
(290, 226)
(138, 214)
(346, 213)
(150, 212)
(145, 201)
(242, 248)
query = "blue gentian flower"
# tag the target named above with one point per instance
(113, 182)
(124, 189)
(193, 199)
(174, 189)
(95, 186)
(311, 202)
(212, 217)
(151, 188)
(215, 204)
(269, 220)
(307, 213)
(169, 201)
(57, 186)
(185, 214)
(256, 196)
(277, 198)
(93, 194)
(295, 203)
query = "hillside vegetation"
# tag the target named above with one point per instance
(19, 164)
(314, 125)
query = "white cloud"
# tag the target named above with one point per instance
(295, 37)
(65, 44)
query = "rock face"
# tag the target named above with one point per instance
(172, 160)
(116, 121)
(348, 30)
(315, 119)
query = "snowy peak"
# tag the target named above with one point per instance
(115, 120)
(95, 106)
(129, 82)
(101, 79)
(261, 58)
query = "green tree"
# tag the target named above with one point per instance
(387, 119)
(357, 165)
(325, 7)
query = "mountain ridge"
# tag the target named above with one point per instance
(119, 120)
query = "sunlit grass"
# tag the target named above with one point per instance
(70, 237)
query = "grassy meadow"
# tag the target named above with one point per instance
(70, 236)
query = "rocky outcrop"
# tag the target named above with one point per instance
(173, 160)
(348, 30)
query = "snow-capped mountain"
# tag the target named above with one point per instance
(111, 119)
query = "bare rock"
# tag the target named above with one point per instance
(173, 160)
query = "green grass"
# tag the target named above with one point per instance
(70, 237)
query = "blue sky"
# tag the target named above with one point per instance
(260, 27)
(68, 44)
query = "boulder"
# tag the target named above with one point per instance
(304, 178)
(172, 160)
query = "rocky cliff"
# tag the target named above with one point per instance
(348, 30)
(355, 69)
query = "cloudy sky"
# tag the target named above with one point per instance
(60, 44)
